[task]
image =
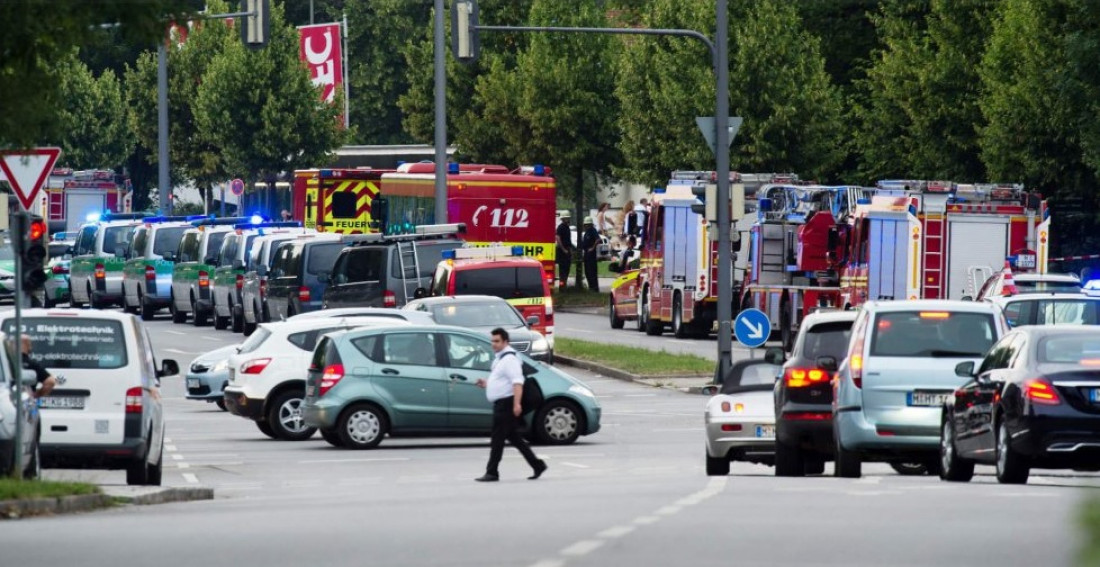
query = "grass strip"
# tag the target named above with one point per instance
(573, 297)
(14, 489)
(635, 360)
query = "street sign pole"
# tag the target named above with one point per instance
(722, 153)
(19, 234)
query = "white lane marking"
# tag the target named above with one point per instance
(183, 466)
(549, 563)
(583, 547)
(181, 333)
(639, 395)
(177, 457)
(190, 477)
(167, 440)
(212, 339)
(669, 510)
(326, 461)
(576, 465)
(170, 448)
(174, 351)
(617, 531)
(646, 520)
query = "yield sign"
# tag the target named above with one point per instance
(27, 171)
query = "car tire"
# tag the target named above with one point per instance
(50, 304)
(652, 328)
(331, 437)
(137, 473)
(148, 312)
(679, 329)
(789, 460)
(616, 321)
(265, 428)
(236, 318)
(34, 468)
(813, 466)
(717, 466)
(94, 300)
(1011, 466)
(362, 426)
(221, 404)
(220, 323)
(285, 417)
(848, 463)
(909, 468)
(248, 328)
(155, 471)
(198, 318)
(177, 315)
(558, 422)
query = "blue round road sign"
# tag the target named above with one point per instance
(237, 186)
(752, 327)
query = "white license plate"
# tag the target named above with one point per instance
(192, 383)
(765, 431)
(1094, 395)
(62, 402)
(927, 399)
(309, 390)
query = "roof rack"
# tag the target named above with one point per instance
(423, 232)
(212, 221)
(273, 224)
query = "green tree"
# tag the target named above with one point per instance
(36, 34)
(92, 118)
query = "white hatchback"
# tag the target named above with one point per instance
(105, 411)
(267, 376)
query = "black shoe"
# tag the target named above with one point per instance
(488, 478)
(540, 468)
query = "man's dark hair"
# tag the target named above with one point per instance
(499, 332)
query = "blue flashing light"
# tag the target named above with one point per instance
(517, 251)
(863, 201)
(256, 219)
(452, 167)
(93, 217)
(195, 217)
(1092, 288)
(449, 254)
(325, 173)
(540, 169)
(764, 205)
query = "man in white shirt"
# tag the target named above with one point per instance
(504, 389)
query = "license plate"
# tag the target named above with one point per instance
(765, 431)
(1094, 395)
(62, 402)
(309, 390)
(192, 383)
(927, 399)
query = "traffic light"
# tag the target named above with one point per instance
(465, 44)
(708, 197)
(34, 254)
(256, 28)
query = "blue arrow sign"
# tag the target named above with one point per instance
(752, 327)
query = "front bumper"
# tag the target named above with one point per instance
(241, 405)
(206, 386)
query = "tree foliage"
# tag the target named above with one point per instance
(93, 131)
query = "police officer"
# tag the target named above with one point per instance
(589, 243)
(504, 389)
(564, 252)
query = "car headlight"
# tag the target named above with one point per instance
(221, 366)
(582, 391)
(540, 344)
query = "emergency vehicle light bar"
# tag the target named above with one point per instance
(484, 253)
(459, 227)
(154, 220)
(212, 221)
(279, 224)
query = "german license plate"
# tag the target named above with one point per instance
(928, 399)
(309, 390)
(1094, 395)
(62, 402)
(765, 431)
(192, 382)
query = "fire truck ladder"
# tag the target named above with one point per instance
(410, 268)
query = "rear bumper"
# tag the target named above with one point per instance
(1059, 442)
(887, 439)
(317, 413)
(241, 405)
(739, 445)
(93, 456)
(812, 434)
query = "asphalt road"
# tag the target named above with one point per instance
(633, 494)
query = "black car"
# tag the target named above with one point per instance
(300, 273)
(804, 394)
(1034, 402)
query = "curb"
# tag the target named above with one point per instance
(623, 375)
(26, 508)
(182, 494)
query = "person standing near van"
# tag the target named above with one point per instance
(564, 252)
(590, 241)
(504, 389)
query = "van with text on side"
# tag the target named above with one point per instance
(504, 272)
(195, 262)
(229, 273)
(254, 290)
(147, 272)
(95, 272)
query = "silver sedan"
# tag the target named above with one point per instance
(740, 417)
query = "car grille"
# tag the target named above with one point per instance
(522, 346)
(200, 391)
(199, 368)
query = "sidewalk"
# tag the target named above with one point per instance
(111, 495)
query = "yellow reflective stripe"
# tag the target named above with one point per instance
(625, 278)
(542, 251)
(528, 301)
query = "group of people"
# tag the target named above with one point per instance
(629, 234)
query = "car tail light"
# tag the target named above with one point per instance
(59, 269)
(389, 299)
(802, 377)
(807, 415)
(728, 407)
(100, 272)
(1039, 391)
(133, 400)
(303, 293)
(240, 282)
(255, 366)
(549, 307)
(855, 364)
(150, 273)
(204, 279)
(263, 289)
(731, 427)
(330, 377)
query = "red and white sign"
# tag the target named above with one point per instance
(320, 49)
(27, 171)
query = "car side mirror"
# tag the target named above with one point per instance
(774, 355)
(827, 363)
(965, 369)
(238, 264)
(709, 390)
(532, 320)
(168, 367)
(967, 298)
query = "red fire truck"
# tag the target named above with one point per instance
(69, 197)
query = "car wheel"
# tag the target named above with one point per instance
(285, 417)
(155, 470)
(50, 303)
(558, 423)
(266, 313)
(362, 426)
(813, 466)
(717, 466)
(616, 321)
(265, 429)
(94, 300)
(652, 327)
(248, 328)
(679, 330)
(137, 473)
(198, 318)
(220, 323)
(848, 463)
(1011, 467)
(221, 404)
(788, 460)
(177, 315)
(236, 317)
(34, 468)
(331, 437)
(953, 467)
(910, 469)
(147, 311)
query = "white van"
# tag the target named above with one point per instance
(105, 411)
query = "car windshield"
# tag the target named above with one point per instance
(1060, 287)
(503, 282)
(75, 343)
(1055, 310)
(758, 375)
(213, 244)
(477, 315)
(827, 339)
(1075, 349)
(932, 333)
(167, 239)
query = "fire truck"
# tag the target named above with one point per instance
(497, 204)
(69, 197)
(904, 239)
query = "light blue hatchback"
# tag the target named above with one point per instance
(366, 383)
(900, 370)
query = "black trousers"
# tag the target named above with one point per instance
(506, 427)
(590, 271)
(565, 261)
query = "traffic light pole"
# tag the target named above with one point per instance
(18, 241)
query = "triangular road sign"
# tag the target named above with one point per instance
(27, 171)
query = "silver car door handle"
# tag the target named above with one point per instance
(458, 377)
(389, 371)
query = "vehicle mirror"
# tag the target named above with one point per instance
(965, 369)
(168, 367)
(419, 293)
(967, 298)
(774, 355)
(238, 264)
(30, 379)
(709, 390)
(827, 363)
(532, 320)
(834, 239)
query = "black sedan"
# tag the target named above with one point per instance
(1034, 402)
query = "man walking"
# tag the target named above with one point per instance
(564, 252)
(589, 242)
(505, 391)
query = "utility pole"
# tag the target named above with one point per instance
(440, 56)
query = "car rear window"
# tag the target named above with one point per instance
(362, 265)
(1073, 349)
(1061, 287)
(1065, 311)
(307, 340)
(83, 343)
(114, 237)
(827, 339)
(503, 282)
(322, 257)
(255, 340)
(167, 239)
(214, 244)
(932, 333)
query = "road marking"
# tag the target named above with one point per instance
(181, 333)
(576, 465)
(646, 520)
(617, 531)
(669, 510)
(326, 461)
(190, 477)
(549, 563)
(170, 448)
(212, 339)
(183, 466)
(177, 457)
(583, 547)
(174, 351)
